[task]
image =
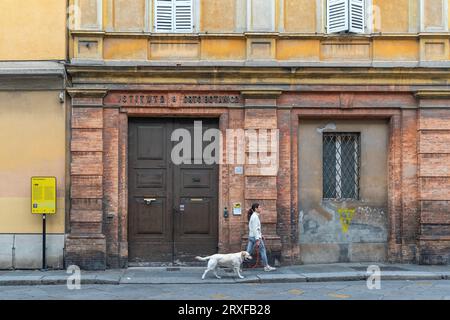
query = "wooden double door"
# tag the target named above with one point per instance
(172, 208)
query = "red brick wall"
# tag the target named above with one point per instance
(434, 182)
(418, 187)
(86, 243)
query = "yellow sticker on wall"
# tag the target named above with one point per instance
(237, 209)
(43, 195)
(346, 217)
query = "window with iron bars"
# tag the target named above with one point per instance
(341, 166)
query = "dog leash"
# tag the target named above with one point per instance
(257, 256)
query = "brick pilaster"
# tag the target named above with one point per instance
(284, 187)
(410, 204)
(86, 243)
(261, 180)
(434, 177)
(224, 232)
(111, 169)
(236, 181)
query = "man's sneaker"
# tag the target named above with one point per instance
(269, 268)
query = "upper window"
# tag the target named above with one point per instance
(261, 15)
(341, 166)
(173, 16)
(129, 15)
(346, 16)
(87, 14)
(434, 15)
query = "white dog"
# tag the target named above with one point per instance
(231, 260)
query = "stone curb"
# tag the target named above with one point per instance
(259, 279)
(44, 282)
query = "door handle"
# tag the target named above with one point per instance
(149, 201)
(179, 210)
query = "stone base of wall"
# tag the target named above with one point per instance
(24, 251)
(88, 253)
(434, 252)
(317, 253)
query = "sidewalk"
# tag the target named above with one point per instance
(192, 275)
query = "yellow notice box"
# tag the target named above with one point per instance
(43, 195)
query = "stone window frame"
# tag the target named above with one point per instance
(321, 8)
(355, 137)
(77, 17)
(445, 26)
(249, 17)
(150, 17)
(147, 17)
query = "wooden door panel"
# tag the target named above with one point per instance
(197, 182)
(196, 187)
(196, 219)
(150, 182)
(151, 217)
(157, 232)
(154, 150)
(150, 224)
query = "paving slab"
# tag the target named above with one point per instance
(173, 280)
(162, 276)
(335, 276)
(54, 279)
(281, 278)
(321, 268)
(413, 267)
(11, 280)
(192, 275)
(409, 275)
(111, 277)
(248, 279)
(445, 275)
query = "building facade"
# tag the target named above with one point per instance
(32, 128)
(357, 91)
(354, 94)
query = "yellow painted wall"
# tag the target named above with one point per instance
(124, 48)
(223, 49)
(32, 30)
(228, 16)
(32, 143)
(396, 50)
(298, 50)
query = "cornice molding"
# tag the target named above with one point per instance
(87, 93)
(260, 76)
(261, 94)
(433, 94)
(275, 35)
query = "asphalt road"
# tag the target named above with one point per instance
(390, 290)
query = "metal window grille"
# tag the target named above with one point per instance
(341, 166)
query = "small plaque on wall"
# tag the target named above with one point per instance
(237, 209)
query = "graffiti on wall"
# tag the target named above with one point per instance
(345, 218)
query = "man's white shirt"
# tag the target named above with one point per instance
(254, 226)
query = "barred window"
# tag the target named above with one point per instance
(341, 166)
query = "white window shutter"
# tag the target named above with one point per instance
(164, 16)
(183, 15)
(337, 16)
(357, 16)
